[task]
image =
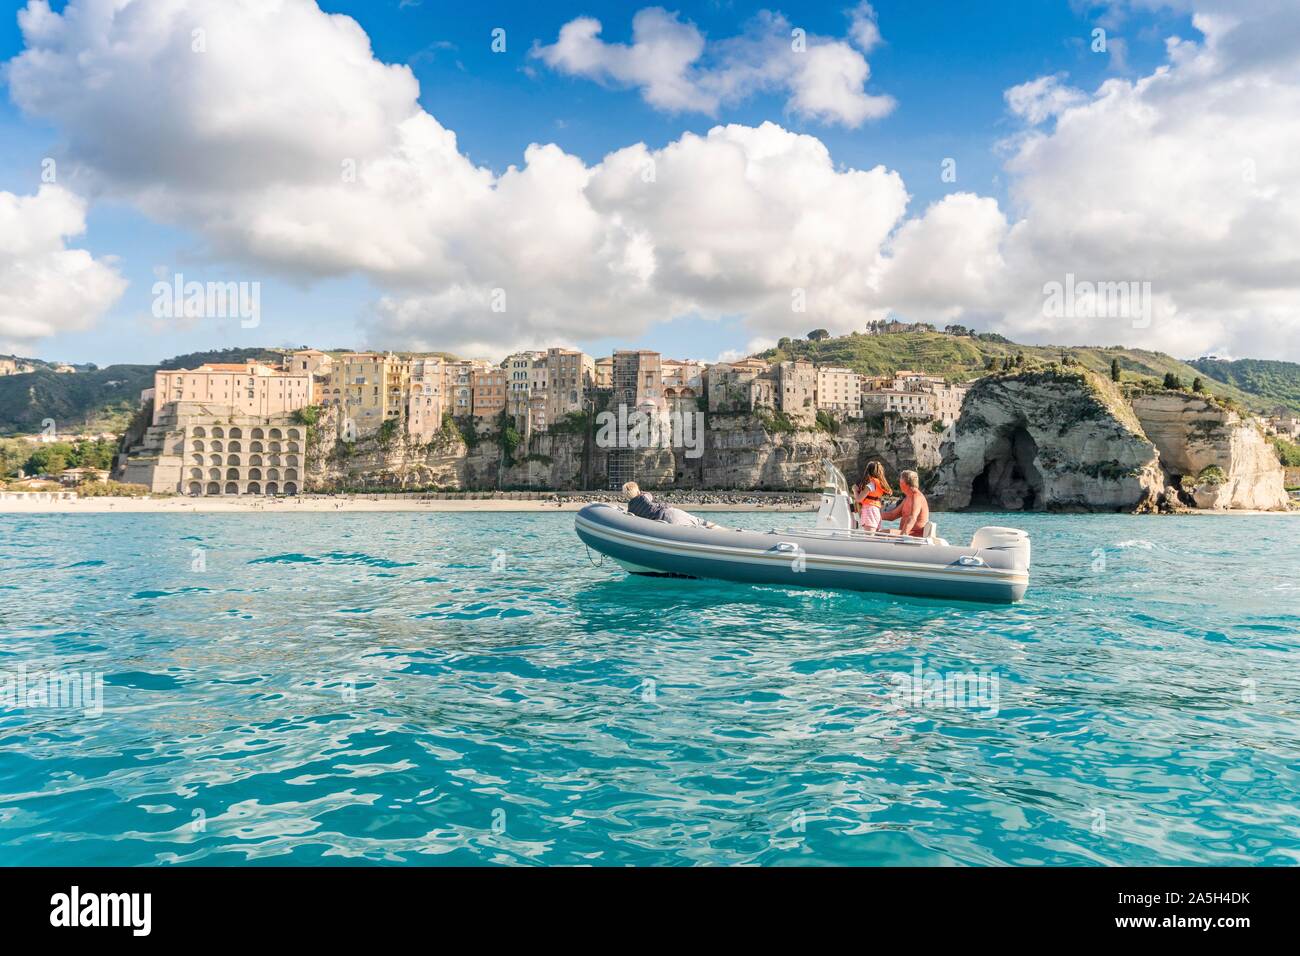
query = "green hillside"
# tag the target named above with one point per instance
(101, 400)
(962, 357)
(91, 400)
(1271, 381)
(235, 356)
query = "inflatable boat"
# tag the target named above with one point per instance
(994, 567)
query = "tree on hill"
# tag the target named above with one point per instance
(1198, 385)
(1173, 382)
(816, 335)
(1114, 370)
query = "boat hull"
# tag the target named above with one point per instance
(804, 559)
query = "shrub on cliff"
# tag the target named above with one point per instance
(307, 415)
(1288, 452)
(775, 421)
(507, 436)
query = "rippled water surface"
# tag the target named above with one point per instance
(423, 688)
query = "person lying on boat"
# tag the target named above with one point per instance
(913, 512)
(643, 505)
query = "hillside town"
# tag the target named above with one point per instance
(202, 417)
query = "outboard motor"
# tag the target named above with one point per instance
(1011, 543)
(834, 513)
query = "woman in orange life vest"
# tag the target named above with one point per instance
(869, 494)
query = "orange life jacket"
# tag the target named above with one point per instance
(871, 496)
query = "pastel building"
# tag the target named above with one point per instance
(369, 388)
(424, 403)
(839, 391)
(569, 373)
(489, 392)
(252, 388)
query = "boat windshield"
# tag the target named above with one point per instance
(834, 483)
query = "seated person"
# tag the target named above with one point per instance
(913, 512)
(642, 504)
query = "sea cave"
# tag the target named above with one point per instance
(1010, 481)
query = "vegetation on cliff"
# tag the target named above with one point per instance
(964, 357)
(1271, 381)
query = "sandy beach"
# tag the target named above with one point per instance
(68, 503)
(55, 504)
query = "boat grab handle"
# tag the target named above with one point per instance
(970, 561)
(786, 546)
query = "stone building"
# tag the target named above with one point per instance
(425, 398)
(252, 388)
(194, 448)
(569, 374)
(683, 383)
(12, 365)
(637, 378)
(740, 386)
(797, 390)
(312, 361)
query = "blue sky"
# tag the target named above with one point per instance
(946, 64)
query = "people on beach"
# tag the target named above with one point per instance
(913, 511)
(869, 494)
(643, 505)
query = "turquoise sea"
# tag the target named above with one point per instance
(470, 689)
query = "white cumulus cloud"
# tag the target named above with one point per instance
(676, 69)
(286, 145)
(45, 287)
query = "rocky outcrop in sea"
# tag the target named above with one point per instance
(1065, 439)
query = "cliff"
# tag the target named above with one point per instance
(1051, 439)
(1065, 439)
(1210, 454)
(739, 451)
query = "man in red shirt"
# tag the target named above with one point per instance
(913, 512)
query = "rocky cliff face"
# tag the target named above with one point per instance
(740, 451)
(1055, 440)
(1210, 454)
